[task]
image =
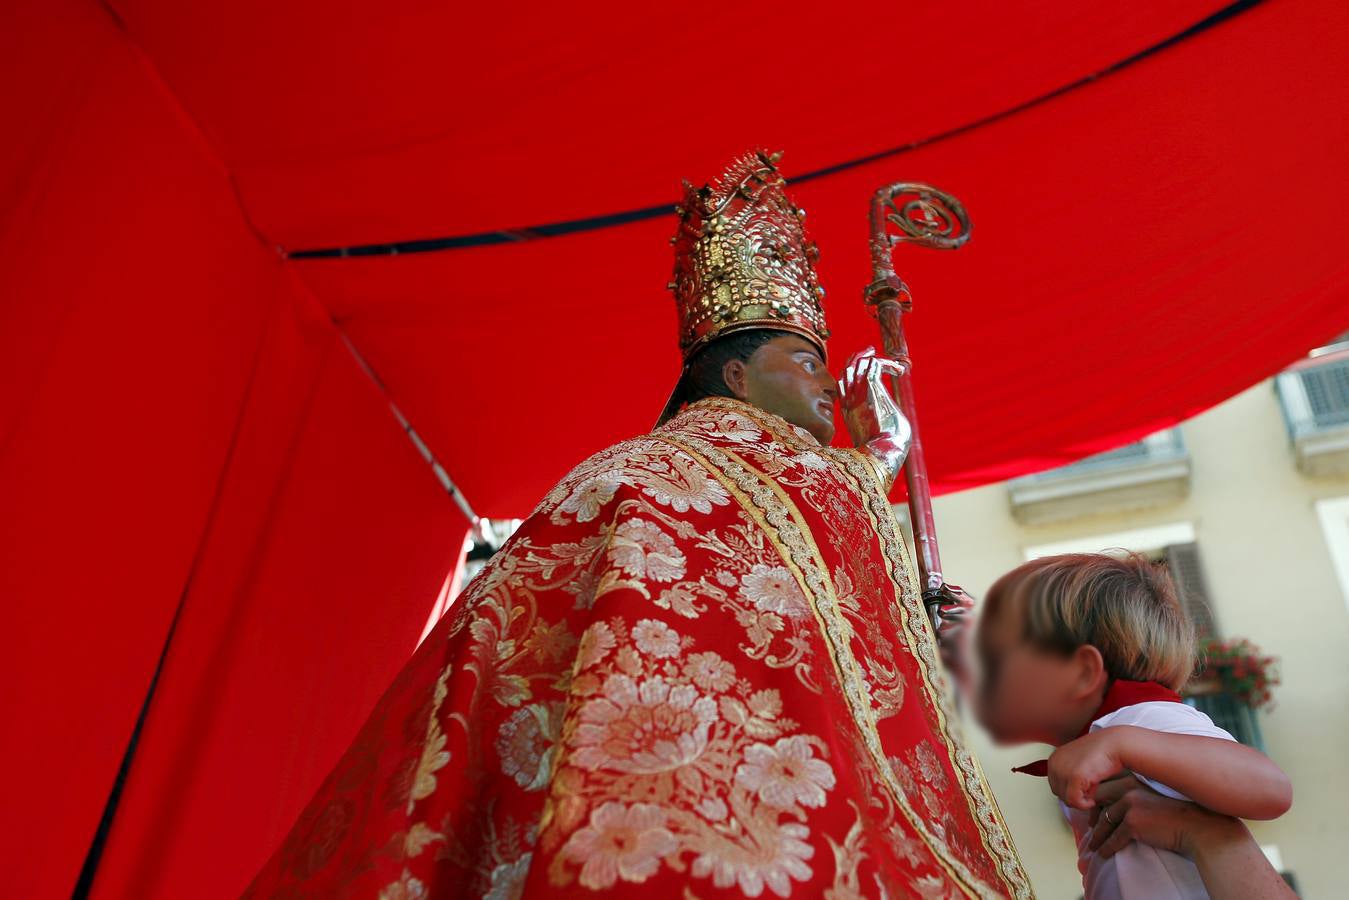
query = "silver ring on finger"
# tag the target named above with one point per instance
(1106, 812)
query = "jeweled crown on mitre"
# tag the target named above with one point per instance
(742, 259)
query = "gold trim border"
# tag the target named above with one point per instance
(788, 524)
(994, 832)
(996, 836)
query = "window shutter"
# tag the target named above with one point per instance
(1188, 573)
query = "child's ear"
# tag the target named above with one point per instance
(1089, 671)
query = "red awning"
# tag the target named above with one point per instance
(1145, 245)
(182, 428)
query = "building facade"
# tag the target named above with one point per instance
(1249, 505)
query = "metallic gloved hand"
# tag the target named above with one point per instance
(874, 420)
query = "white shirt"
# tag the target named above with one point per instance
(1140, 872)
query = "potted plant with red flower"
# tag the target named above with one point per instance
(1235, 667)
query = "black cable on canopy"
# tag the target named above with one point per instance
(609, 220)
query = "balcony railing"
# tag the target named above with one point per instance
(1232, 715)
(1145, 473)
(1315, 398)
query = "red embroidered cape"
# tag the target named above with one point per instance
(701, 668)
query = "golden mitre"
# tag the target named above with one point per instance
(742, 259)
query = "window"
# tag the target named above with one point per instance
(1182, 560)
(1152, 472)
(1334, 516)
(1151, 541)
(1314, 394)
(1171, 545)
(1231, 715)
(1227, 712)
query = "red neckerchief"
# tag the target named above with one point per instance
(1120, 694)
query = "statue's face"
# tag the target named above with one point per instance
(787, 377)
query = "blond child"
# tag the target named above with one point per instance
(1086, 652)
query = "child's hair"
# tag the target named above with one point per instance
(1126, 607)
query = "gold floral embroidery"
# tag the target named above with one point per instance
(507, 879)
(993, 830)
(419, 837)
(779, 518)
(644, 551)
(614, 746)
(434, 756)
(848, 857)
(763, 603)
(918, 631)
(527, 744)
(405, 888)
(672, 759)
(621, 841)
(671, 481)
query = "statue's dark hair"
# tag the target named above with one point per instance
(703, 372)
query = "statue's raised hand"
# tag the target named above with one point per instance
(874, 420)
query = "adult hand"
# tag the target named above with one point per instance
(1128, 810)
(1229, 860)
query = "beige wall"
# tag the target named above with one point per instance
(1271, 580)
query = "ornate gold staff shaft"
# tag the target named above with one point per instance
(923, 215)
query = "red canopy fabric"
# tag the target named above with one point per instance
(1143, 248)
(180, 425)
(371, 122)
